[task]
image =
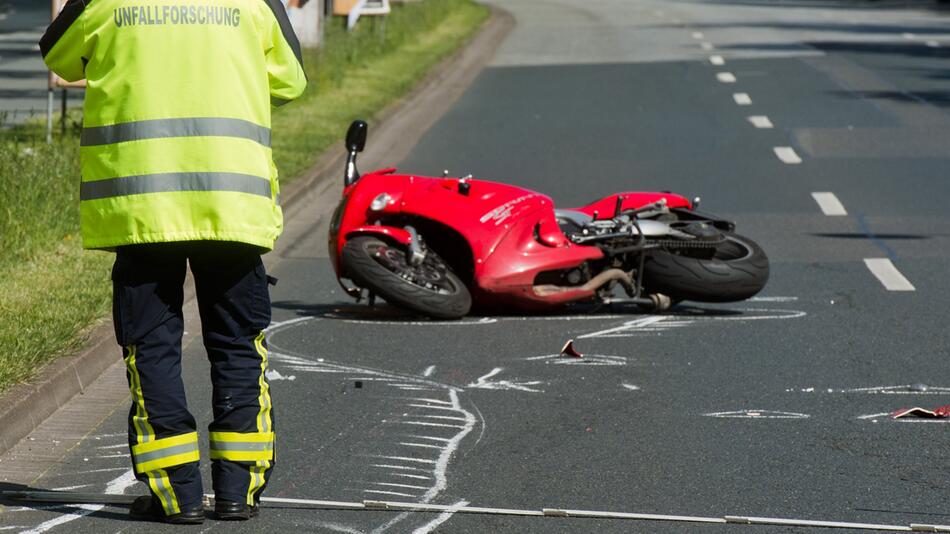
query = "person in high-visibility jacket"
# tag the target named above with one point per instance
(177, 168)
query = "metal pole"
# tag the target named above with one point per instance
(62, 118)
(49, 116)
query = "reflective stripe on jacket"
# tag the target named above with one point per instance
(176, 142)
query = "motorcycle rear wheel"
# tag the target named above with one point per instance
(430, 289)
(738, 270)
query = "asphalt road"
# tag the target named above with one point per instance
(772, 407)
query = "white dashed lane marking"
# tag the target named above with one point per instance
(742, 99)
(933, 44)
(889, 276)
(726, 77)
(717, 60)
(829, 204)
(760, 121)
(706, 46)
(787, 155)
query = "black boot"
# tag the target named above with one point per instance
(234, 511)
(148, 509)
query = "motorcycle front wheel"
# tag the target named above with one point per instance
(430, 289)
(736, 271)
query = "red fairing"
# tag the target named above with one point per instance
(395, 234)
(606, 206)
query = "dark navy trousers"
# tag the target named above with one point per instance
(234, 306)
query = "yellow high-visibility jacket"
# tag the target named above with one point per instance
(176, 141)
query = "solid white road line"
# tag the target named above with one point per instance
(760, 121)
(829, 204)
(742, 99)
(717, 60)
(787, 155)
(706, 45)
(726, 77)
(885, 271)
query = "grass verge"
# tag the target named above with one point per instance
(52, 292)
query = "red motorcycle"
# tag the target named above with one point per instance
(437, 245)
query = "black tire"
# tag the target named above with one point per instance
(431, 289)
(738, 270)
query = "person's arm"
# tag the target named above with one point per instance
(64, 43)
(284, 60)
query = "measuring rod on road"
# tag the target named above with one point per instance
(65, 497)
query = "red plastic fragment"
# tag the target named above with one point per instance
(942, 412)
(569, 350)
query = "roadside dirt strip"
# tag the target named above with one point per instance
(308, 203)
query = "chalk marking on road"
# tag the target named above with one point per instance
(874, 415)
(394, 485)
(280, 325)
(631, 387)
(443, 440)
(906, 389)
(433, 401)
(273, 376)
(107, 469)
(726, 77)
(442, 464)
(423, 423)
(383, 492)
(757, 414)
(760, 121)
(742, 99)
(116, 486)
(428, 371)
(406, 459)
(697, 35)
(629, 325)
(443, 417)
(483, 383)
(415, 388)
(772, 299)
(464, 322)
(888, 275)
(407, 475)
(449, 408)
(120, 455)
(443, 517)
(829, 204)
(400, 467)
(706, 46)
(119, 446)
(787, 155)
(717, 60)
(336, 527)
(588, 359)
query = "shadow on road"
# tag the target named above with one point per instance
(383, 312)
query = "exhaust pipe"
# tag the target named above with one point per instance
(591, 286)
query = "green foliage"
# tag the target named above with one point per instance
(52, 292)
